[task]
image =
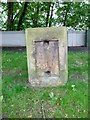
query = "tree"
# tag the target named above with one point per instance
(35, 15)
(73, 15)
(48, 13)
(52, 9)
(21, 15)
(10, 15)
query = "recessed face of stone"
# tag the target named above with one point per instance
(47, 58)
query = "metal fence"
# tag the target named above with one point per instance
(17, 38)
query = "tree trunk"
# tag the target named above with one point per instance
(35, 16)
(10, 15)
(65, 15)
(65, 19)
(22, 16)
(48, 12)
(50, 22)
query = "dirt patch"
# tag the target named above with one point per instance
(12, 72)
(77, 76)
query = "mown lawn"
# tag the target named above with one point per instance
(21, 101)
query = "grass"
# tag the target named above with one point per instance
(21, 101)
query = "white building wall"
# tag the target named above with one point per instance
(17, 38)
(76, 38)
(13, 38)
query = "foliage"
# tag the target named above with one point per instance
(45, 14)
(73, 15)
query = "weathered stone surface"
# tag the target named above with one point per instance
(47, 56)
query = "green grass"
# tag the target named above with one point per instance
(21, 101)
